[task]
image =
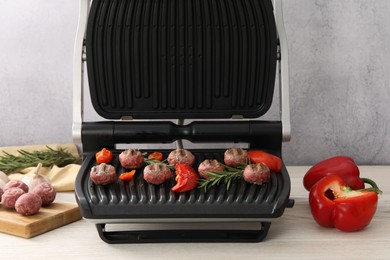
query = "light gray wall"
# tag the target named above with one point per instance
(339, 76)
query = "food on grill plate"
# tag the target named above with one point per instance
(127, 176)
(209, 166)
(10, 195)
(131, 159)
(104, 156)
(235, 157)
(16, 184)
(46, 192)
(157, 173)
(186, 178)
(103, 174)
(28, 204)
(273, 162)
(181, 156)
(256, 173)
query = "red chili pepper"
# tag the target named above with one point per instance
(104, 156)
(127, 176)
(273, 162)
(156, 156)
(342, 166)
(186, 177)
(346, 209)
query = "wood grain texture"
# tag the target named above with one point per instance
(48, 218)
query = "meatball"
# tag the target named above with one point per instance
(103, 174)
(256, 173)
(131, 159)
(47, 193)
(28, 204)
(235, 157)
(181, 156)
(10, 195)
(209, 166)
(16, 184)
(157, 173)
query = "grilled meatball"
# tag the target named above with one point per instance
(103, 174)
(234, 157)
(209, 166)
(181, 156)
(28, 204)
(10, 195)
(16, 184)
(256, 173)
(47, 193)
(157, 173)
(131, 159)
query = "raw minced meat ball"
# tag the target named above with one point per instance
(209, 166)
(157, 173)
(10, 195)
(181, 156)
(28, 204)
(103, 174)
(16, 184)
(131, 159)
(235, 157)
(256, 173)
(46, 191)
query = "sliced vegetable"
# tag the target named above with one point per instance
(104, 156)
(343, 166)
(127, 176)
(272, 161)
(186, 178)
(156, 156)
(345, 209)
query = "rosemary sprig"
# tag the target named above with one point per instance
(227, 177)
(12, 163)
(153, 161)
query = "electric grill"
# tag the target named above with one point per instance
(152, 64)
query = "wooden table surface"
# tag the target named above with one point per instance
(293, 236)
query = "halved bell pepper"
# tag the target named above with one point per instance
(343, 166)
(345, 209)
(186, 177)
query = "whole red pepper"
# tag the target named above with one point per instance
(346, 209)
(343, 166)
(186, 177)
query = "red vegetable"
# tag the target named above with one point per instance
(127, 176)
(342, 166)
(104, 156)
(346, 209)
(156, 156)
(273, 162)
(186, 177)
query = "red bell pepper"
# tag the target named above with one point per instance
(342, 166)
(346, 209)
(273, 162)
(156, 156)
(104, 156)
(186, 177)
(127, 176)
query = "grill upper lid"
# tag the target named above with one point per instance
(181, 59)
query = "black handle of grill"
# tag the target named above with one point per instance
(259, 134)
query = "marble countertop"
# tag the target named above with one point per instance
(294, 236)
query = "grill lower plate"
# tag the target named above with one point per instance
(140, 202)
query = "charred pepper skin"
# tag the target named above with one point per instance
(348, 210)
(343, 166)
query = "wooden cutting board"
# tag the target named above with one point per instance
(48, 218)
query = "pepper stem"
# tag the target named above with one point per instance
(374, 186)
